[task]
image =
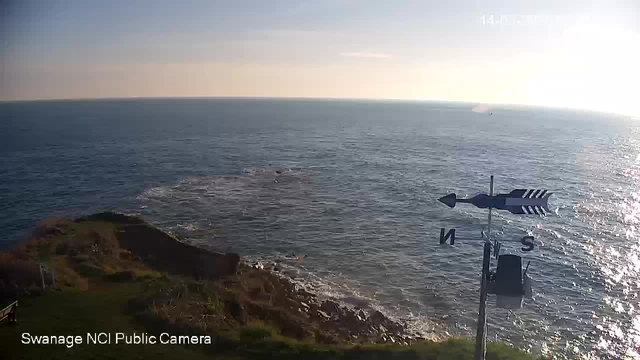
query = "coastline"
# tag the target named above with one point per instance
(166, 286)
(258, 293)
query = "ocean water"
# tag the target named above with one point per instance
(353, 185)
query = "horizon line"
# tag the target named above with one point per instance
(411, 100)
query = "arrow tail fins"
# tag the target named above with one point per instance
(545, 204)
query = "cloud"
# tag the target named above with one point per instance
(296, 34)
(365, 54)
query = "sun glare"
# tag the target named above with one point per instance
(601, 65)
(589, 67)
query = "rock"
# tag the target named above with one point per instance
(52, 231)
(268, 288)
(330, 308)
(306, 294)
(229, 264)
(357, 301)
(166, 253)
(112, 217)
(51, 227)
(355, 325)
(237, 311)
(255, 292)
(377, 318)
(323, 338)
(324, 314)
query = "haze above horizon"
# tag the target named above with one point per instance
(570, 54)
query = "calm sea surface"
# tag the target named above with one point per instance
(354, 186)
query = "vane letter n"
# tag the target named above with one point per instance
(451, 234)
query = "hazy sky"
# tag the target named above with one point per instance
(575, 53)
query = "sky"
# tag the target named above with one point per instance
(572, 54)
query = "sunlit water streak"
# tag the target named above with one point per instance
(357, 193)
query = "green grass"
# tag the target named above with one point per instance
(79, 313)
(106, 308)
(112, 290)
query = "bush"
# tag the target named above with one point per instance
(214, 306)
(34, 290)
(89, 269)
(51, 227)
(19, 272)
(121, 276)
(253, 334)
(62, 248)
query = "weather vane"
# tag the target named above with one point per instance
(508, 282)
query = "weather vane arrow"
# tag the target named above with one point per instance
(519, 201)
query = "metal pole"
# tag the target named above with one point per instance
(482, 315)
(490, 210)
(481, 339)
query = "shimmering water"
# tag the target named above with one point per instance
(353, 185)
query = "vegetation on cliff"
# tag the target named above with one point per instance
(116, 273)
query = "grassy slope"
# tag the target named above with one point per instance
(89, 302)
(77, 313)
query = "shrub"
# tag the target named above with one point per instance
(122, 276)
(252, 334)
(89, 269)
(62, 248)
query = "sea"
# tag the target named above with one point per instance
(344, 195)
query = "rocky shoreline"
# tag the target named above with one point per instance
(116, 246)
(119, 274)
(347, 324)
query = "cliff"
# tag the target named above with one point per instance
(113, 266)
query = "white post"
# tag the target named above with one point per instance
(42, 276)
